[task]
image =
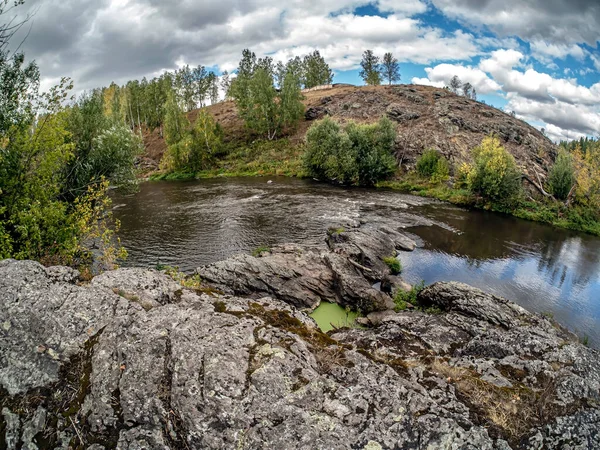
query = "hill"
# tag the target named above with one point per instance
(425, 117)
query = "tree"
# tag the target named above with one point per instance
(494, 175)
(37, 150)
(213, 88)
(225, 84)
(205, 143)
(176, 123)
(113, 155)
(291, 108)
(264, 109)
(240, 86)
(455, 84)
(371, 71)
(316, 70)
(474, 94)
(262, 115)
(354, 155)
(390, 68)
(561, 178)
(467, 89)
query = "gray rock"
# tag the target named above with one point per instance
(222, 372)
(149, 288)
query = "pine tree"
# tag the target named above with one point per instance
(390, 68)
(371, 70)
(316, 70)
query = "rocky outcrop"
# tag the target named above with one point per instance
(83, 366)
(342, 272)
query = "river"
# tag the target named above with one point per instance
(188, 224)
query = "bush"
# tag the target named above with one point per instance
(562, 176)
(434, 166)
(403, 298)
(394, 264)
(355, 155)
(427, 163)
(494, 176)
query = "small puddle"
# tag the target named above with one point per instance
(331, 315)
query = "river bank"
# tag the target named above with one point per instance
(249, 369)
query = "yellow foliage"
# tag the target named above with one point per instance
(92, 220)
(494, 174)
(587, 175)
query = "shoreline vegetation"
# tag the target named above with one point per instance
(283, 158)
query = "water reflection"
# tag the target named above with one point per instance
(543, 269)
(195, 223)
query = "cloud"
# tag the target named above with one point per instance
(441, 74)
(556, 21)
(557, 134)
(116, 40)
(535, 85)
(578, 118)
(546, 53)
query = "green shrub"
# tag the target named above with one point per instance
(427, 163)
(394, 264)
(403, 298)
(434, 166)
(562, 176)
(494, 176)
(358, 155)
(442, 171)
(260, 250)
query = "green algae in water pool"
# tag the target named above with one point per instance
(331, 315)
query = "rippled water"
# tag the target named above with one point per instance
(188, 224)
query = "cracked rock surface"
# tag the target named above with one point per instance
(90, 367)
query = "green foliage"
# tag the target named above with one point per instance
(562, 176)
(494, 176)
(196, 150)
(403, 298)
(113, 155)
(49, 210)
(394, 264)
(370, 69)
(264, 109)
(355, 155)
(585, 340)
(315, 70)
(390, 68)
(260, 250)
(434, 166)
(175, 123)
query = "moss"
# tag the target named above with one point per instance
(220, 306)
(394, 264)
(260, 250)
(402, 299)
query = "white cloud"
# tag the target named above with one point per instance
(441, 74)
(577, 118)
(409, 7)
(546, 52)
(557, 134)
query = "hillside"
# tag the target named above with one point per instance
(425, 117)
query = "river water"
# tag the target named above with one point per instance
(188, 224)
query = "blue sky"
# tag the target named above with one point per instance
(538, 58)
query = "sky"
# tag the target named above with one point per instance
(538, 58)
